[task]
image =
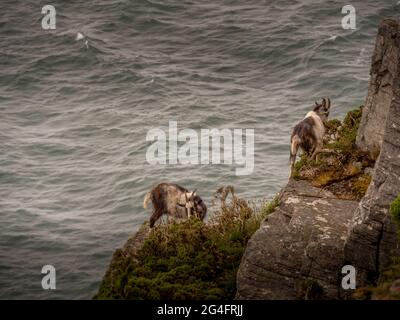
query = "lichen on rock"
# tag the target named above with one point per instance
(297, 252)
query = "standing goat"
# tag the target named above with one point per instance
(308, 134)
(175, 201)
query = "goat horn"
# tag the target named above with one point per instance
(193, 193)
(329, 103)
(323, 102)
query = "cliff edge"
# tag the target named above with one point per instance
(300, 249)
(372, 237)
(339, 210)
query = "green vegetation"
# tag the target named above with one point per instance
(342, 170)
(189, 259)
(395, 211)
(361, 184)
(388, 287)
(346, 132)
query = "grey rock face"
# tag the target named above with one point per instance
(303, 239)
(384, 70)
(372, 239)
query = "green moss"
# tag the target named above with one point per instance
(383, 290)
(269, 207)
(324, 178)
(303, 162)
(347, 132)
(188, 260)
(395, 211)
(361, 184)
(344, 143)
(341, 170)
(331, 126)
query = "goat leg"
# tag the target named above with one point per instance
(154, 217)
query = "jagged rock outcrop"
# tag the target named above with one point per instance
(384, 71)
(302, 240)
(372, 239)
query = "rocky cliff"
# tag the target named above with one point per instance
(372, 237)
(300, 249)
(333, 212)
(383, 75)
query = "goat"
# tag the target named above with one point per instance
(175, 201)
(308, 134)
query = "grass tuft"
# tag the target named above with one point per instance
(395, 211)
(189, 259)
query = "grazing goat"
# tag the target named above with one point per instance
(308, 134)
(175, 201)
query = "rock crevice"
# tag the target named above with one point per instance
(302, 240)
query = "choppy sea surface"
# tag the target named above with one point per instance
(74, 114)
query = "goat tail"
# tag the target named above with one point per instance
(146, 199)
(294, 147)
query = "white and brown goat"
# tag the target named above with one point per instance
(175, 201)
(308, 134)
